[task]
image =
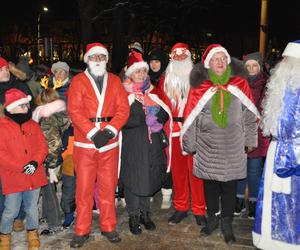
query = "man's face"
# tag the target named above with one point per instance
(218, 63)
(180, 54)
(4, 74)
(60, 75)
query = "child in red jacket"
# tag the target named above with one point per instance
(23, 150)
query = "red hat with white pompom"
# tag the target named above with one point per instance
(15, 97)
(95, 48)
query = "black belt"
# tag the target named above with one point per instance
(101, 119)
(178, 119)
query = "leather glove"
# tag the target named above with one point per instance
(52, 175)
(30, 167)
(102, 137)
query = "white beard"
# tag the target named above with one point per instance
(177, 81)
(285, 75)
(97, 68)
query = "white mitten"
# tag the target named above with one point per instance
(52, 175)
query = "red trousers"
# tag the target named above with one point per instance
(90, 165)
(185, 183)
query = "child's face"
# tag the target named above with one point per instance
(20, 109)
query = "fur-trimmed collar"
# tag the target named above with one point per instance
(48, 109)
(199, 73)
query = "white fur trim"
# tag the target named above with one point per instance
(131, 99)
(281, 185)
(193, 115)
(211, 54)
(136, 66)
(92, 146)
(13, 105)
(95, 50)
(292, 50)
(112, 129)
(244, 99)
(91, 133)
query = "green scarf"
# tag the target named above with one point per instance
(220, 118)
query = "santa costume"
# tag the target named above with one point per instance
(277, 221)
(98, 107)
(176, 86)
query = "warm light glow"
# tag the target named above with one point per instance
(45, 9)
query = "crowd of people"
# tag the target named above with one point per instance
(219, 138)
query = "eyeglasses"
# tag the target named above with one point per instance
(219, 59)
(23, 106)
(97, 57)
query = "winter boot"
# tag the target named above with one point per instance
(212, 224)
(177, 217)
(200, 220)
(146, 221)
(79, 240)
(69, 219)
(134, 224)
(252, 209)
(33, 240)
(239, 206)
(18, 225)
(166, 198)
(226, 227)
(5, 240)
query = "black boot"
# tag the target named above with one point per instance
(78, 241)
(146, 221)
(134, 224)
(226, 227)
(239, 206)
(252, 209)
(177, 217)
(112, 236)
(212, 224)
(200, 220)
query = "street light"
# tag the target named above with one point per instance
(44, 9)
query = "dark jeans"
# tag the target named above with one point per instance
(135, 204)
(50, 205)
(254, 172)
(226, 190)
(68, 193)
(21, 215)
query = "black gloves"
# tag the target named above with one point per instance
(162, 116)
(30, 167)
(102, 137)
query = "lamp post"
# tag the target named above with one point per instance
(44, 9)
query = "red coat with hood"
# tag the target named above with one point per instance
(18, 146)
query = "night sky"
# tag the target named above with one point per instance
(232, 15)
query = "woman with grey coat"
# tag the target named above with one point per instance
(219, 129)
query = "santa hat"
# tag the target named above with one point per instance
(15, 97)
(60, 65)
(135, 62)
(95, 48)
(3, 62)
(292, 49)
(181, 48)
(210, 51)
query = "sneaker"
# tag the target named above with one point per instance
(42, 220)
(200, 220)
(113, 236)
(177, 217)
(50, 231)
(239, 206)
(78, 241)
(18, 225)
(69, 220)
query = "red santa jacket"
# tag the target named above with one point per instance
(18, 146)
(86, 102)
(178, 111)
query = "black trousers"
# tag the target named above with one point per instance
(214, 190)
(135, 204)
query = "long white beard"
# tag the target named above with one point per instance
(177, 81)
(97, 68)
(286, 74)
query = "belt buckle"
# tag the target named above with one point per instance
(105, 119)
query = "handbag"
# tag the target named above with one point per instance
(164, 139)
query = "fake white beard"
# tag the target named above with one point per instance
(97, 68)
(286, 74)
(177, 82)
